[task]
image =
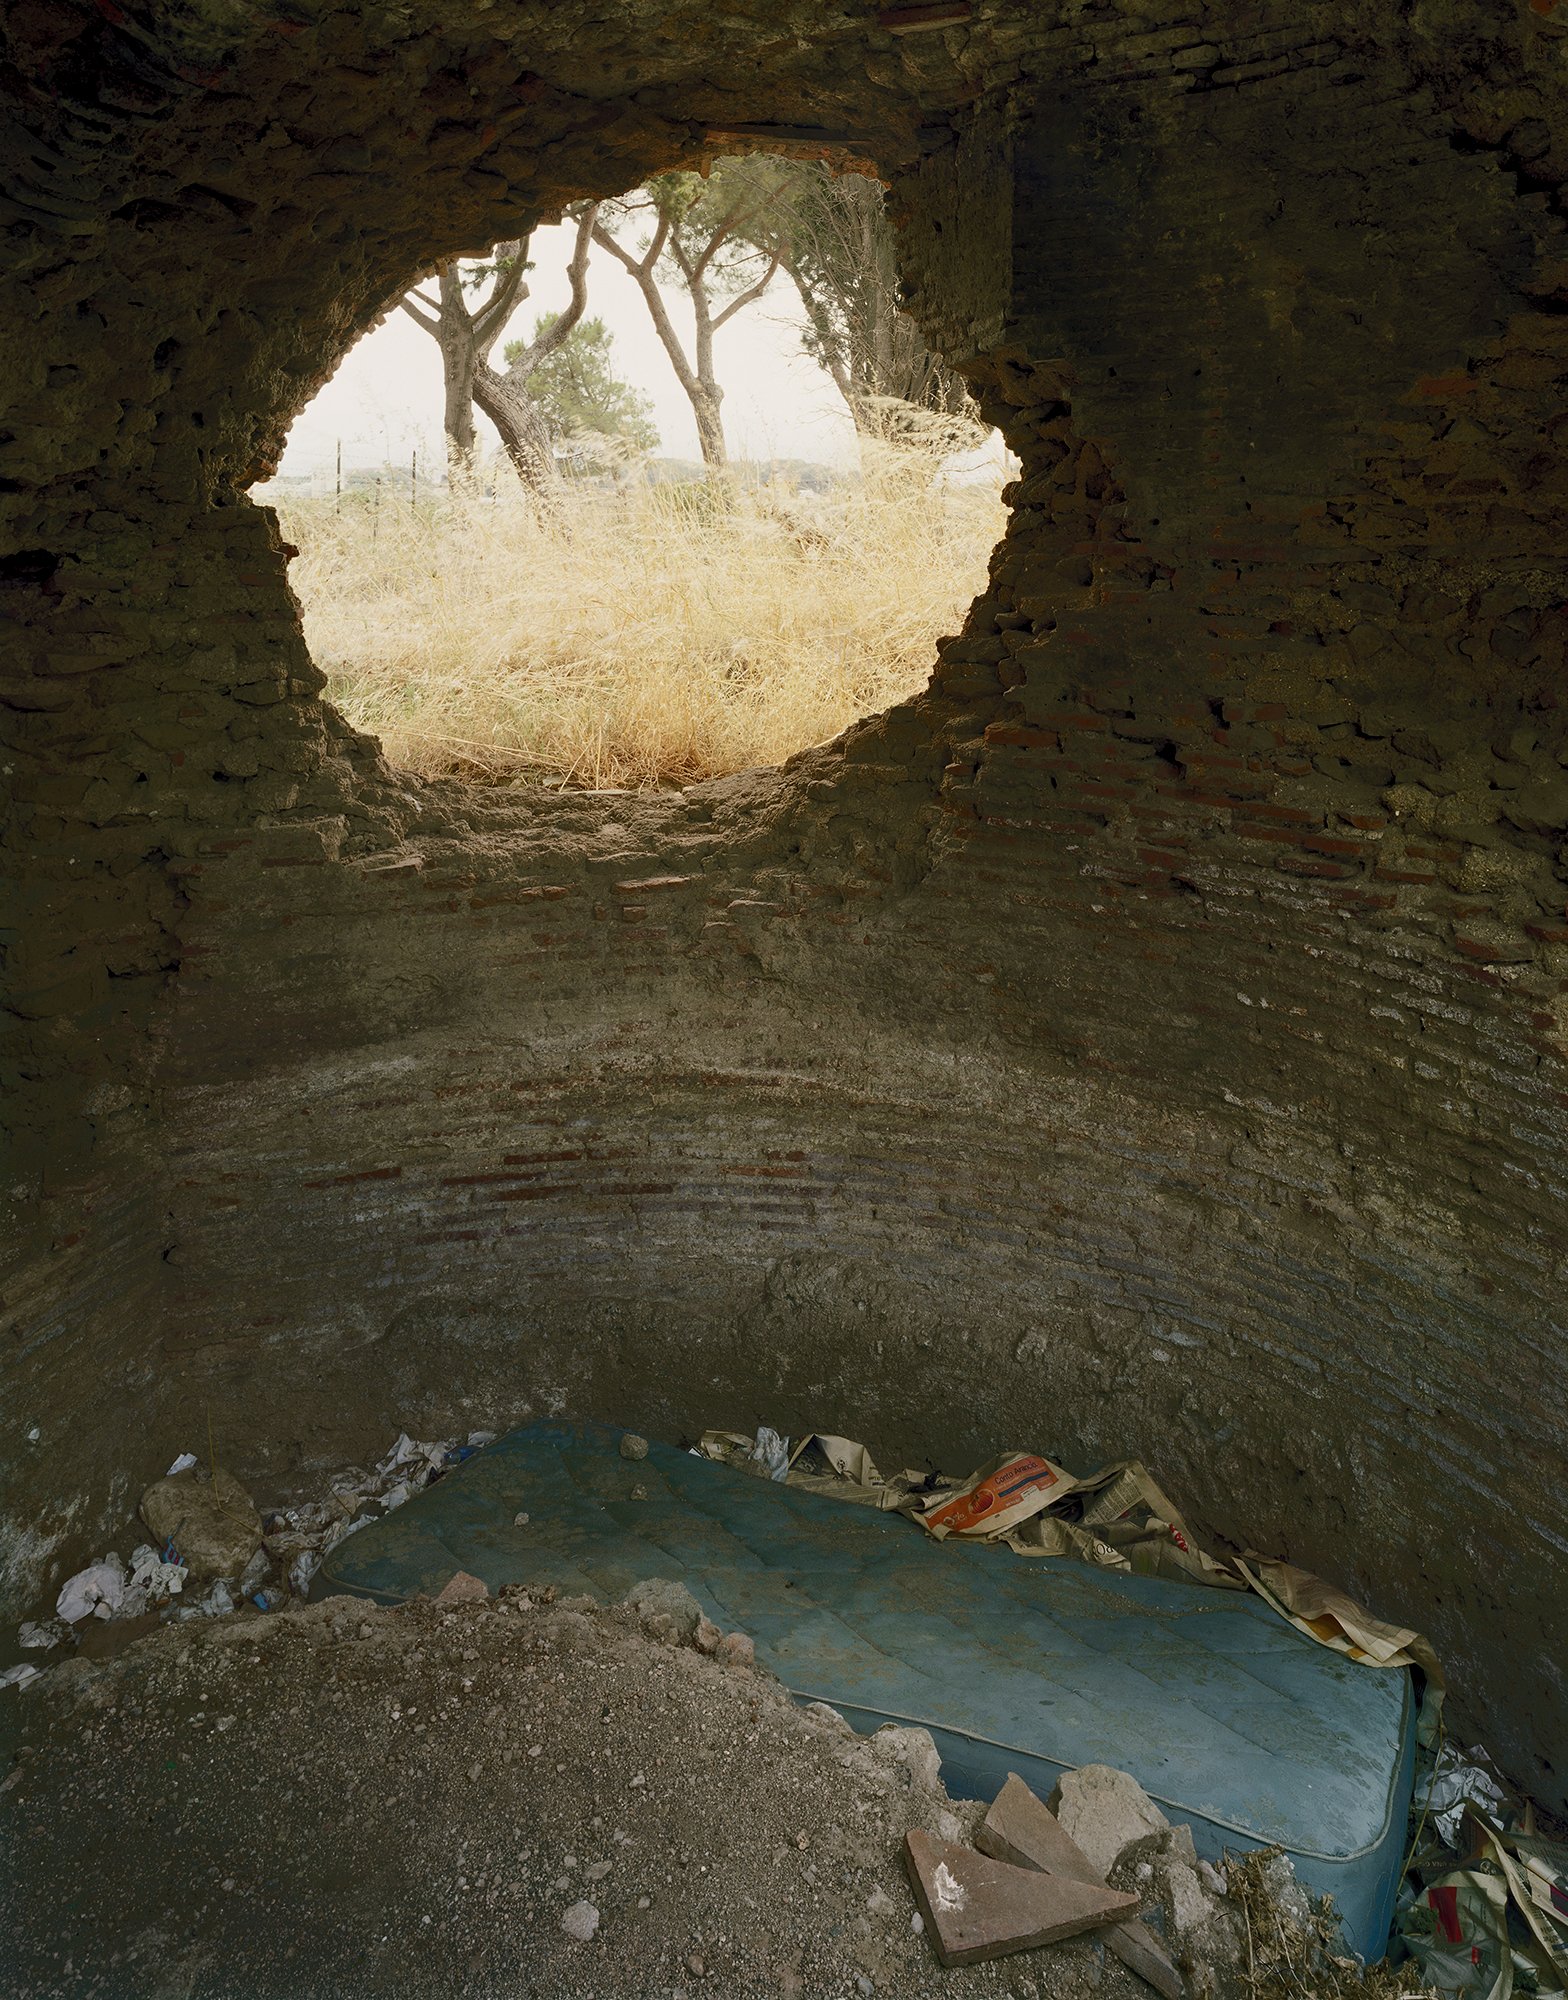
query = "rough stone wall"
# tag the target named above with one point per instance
(1151, 1040)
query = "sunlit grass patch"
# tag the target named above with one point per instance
(640, 635)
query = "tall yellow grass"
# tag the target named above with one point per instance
(646, 636)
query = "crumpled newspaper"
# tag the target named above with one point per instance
(1497, 1927)
(1118, 1518)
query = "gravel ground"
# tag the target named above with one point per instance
(338, 1800)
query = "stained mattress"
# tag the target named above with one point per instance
(1225, 1714)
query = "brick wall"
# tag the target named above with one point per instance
(1151, 1040)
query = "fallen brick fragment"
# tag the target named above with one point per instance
(1021, 1830)
(976, 1908)
(462, 1588)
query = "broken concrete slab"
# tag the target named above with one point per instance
(1019, 1829)
(1104, 1810)
(977, 1908)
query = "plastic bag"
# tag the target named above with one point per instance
(771, 1453)
(1457, 1933)
(767, 1454)
(155, 1577)
(95, 1592)
(1457, 1781)
(1468, 1942)
(218, 1603)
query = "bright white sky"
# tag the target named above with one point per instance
(386, 397)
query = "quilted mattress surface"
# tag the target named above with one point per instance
(1231, 1719)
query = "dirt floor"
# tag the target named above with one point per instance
(340, 1801)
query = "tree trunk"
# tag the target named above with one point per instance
(697, 376)
(710, 430)
(523, 434)
(457, 368)
(466, 338)
(705, 393)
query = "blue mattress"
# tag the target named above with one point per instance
(1234, 1721)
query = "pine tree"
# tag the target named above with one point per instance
(584, 403)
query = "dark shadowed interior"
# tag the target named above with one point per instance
(1150, 1041)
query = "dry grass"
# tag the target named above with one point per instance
(1292, 1959)
(641, 637)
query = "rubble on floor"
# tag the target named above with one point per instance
(1483, 1914)
(207, 1530)
(1020, 1829)
(499, 1796)
(976, 1908)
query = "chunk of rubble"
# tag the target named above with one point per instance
(667, 1610)
(1168, 1862)
(1206, 1933)
(1021, 1830)
(211, 1522)
(976, 1908)
(910, 1750)
(1276, 1873)
(736, 1649)
(463, 1587)
(581, 1922)
(1102, 1811)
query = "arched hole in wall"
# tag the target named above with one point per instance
(615, 559)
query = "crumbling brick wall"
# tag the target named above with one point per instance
(1150, 1041)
